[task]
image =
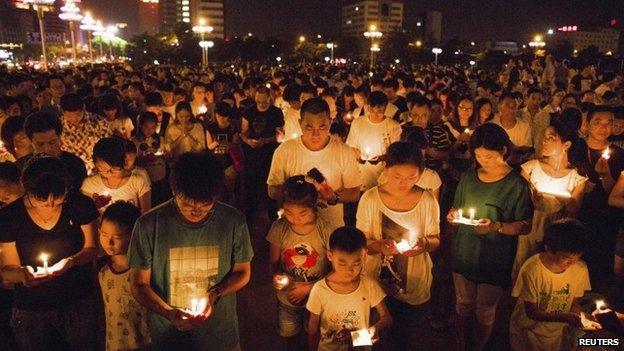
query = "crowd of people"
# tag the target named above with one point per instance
(396, 198)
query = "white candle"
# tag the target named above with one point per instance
(467, 131)
(362, 337)
(44, 257)
(202, 109)
(366, 155)
(158, 153)
(606, 154)
(601, 305)
(197, 306)
(280, 213)
(471, 212)
(295, 135)
(403, 246)
(282, 281)
(460, 213)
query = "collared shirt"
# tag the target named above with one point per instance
(80, 138)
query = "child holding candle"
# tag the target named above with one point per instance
(560, 170)
(298, 242)
(126, 319)
(341, 302)
(548, 288)
(113, 181)
(482, 255)
(395, 211)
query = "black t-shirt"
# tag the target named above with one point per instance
(225, 137)
(263, 125)
(74, 165)
(64, 240)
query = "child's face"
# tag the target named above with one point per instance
(114, 238)
(10, 192)
(347, 265)
(564, 260)
(148, 129)
(299, 215)
(618, 126)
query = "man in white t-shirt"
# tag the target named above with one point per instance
(518, 130)
(316, 149)
(371, 134)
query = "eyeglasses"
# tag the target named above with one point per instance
(464, 108)
(109, 171)
(372, 161)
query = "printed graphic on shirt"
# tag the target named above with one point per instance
(300, 260)
(192, 271)
(340, 325)
(393, 275)
(557, 301)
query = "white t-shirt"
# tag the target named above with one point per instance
(379, 222)
(520, 134)
(126, 319)
(372, 139)
(552, 293)
(429, 179)
(132, 191)
(336, 162)
(343, 312)
(303, 257)
(292, 124)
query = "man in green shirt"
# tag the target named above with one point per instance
(190, 248)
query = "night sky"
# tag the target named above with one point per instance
(468, 19)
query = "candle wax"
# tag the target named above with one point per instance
(362, 337)
(403, 246)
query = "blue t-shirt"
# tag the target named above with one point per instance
(185, 261)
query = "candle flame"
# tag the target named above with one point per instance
(601, 305)
(44, 257)
(606, 154)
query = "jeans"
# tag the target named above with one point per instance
(72, 327)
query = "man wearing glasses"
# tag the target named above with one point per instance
(189, 256)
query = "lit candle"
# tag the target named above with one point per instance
(282, 281)
(607, 318)
(366, 155)
(460, 213)
(268, 85)
(202, 109)
(106, 193)
(471, 212)
(295, 135)
(606, 154)
(467, 131)
(349, 117)
(197, 306)
(362, 337)
(280, 213)
(44, 257)
(158, 153)
(403, 246)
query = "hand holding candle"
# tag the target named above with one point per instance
(457, 217)
(44, 258)
(281, 281)
(362, 337)
(606, 154)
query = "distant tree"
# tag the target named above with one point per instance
(395, 45)
(563, 49)
(590, 53)
(494, 59)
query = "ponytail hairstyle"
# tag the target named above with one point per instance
(577, 154)
(297, 191)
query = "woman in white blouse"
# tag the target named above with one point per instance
(112, 182)
(185, 134)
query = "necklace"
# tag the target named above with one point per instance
(36, 212)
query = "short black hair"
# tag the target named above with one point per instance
(223, 109)
(292, 92)
(41, 122)
(315, 106)
(9, 172)
(598, 109)
(534, 90)
(45, 176)
(347, 239)
(377, 98)
(122, 213)
(71, 102)
(10, 128)
(415, 135)
(391, 83)
(153, 99)
(418, 100)
(567, 235)
(197, 176)
(404, 153)
(298, 191)
(110, 102)
(492, 137)
(110, 150)
(147, 117)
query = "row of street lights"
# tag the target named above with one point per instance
(71, 14)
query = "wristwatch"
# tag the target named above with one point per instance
(334, 201)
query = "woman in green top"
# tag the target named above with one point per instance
(483, 254)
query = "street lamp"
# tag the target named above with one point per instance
(205, 44)
(331, 47)
(436, 51)
(418, 43)
(537, 42)
(373, 34)
(71, 13)
(302, 39)
(38, 6)
(88, 24)
(374, 48)
(202, 29)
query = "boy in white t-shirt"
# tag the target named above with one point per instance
(126, 319)
(340, 304)
(548, 288)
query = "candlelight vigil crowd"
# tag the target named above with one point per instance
(386, 205)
